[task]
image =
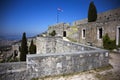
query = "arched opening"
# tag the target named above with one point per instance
(64, 33)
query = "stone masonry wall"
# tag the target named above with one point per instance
(91, 34)
(57, 44)
(13, 71)
(42, 65)
(59, 28)
(109, 21)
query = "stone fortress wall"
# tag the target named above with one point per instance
(109, 21)
(13, 71)
(57, 44)
(63, 57)
(56, 64)
(59, 28)
(110, 15)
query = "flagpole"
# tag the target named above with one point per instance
(57, 16)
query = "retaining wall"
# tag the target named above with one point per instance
(46, 45)
(13, 71)
(42, 65)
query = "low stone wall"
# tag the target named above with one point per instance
(42, 65)
(46, 45)
(13, 71)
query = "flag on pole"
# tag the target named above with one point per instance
(59, 9)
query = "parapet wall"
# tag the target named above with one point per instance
(13, 71)
(42, 65)
(47, 45)
(63, 57)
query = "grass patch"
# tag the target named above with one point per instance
(104, 68)
(104, 77)
(71, 39)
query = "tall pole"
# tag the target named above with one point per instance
(57, 16)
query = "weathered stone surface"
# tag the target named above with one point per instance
(13, 71)
(42, 65)
(57, 45)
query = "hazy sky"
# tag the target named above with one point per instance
(34, 16)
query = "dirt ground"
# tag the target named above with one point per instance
(107, 74)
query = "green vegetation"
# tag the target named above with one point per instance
(23, 48)
(32, 48)
(104, 68)
(53, 33)
(92, 12)
(107, 43)
(108, 76)
(14, 60)
(71, 39)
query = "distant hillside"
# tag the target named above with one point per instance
(6, 42)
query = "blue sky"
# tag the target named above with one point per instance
(34, 16)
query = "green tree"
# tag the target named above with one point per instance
(92, 12)
(32, 48)
(23, 48)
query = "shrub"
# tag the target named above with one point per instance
(108, 44)
(53, 33)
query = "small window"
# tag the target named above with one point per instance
(83, 34)
(100, 31)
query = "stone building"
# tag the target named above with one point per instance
(60, 29)
(92, 32)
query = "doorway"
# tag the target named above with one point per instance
(64, 33)
(118, 36)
